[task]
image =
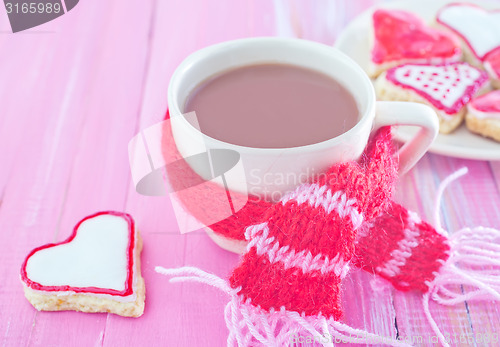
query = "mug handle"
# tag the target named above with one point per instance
(413, 114)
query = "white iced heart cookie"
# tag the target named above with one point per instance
(97, 269)
(478, 28)
(446, 87)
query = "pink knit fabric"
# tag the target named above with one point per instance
(297, 257)
(401, 248)
(300, 248)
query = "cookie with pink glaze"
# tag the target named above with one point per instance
(479, 29)
(446, 87)
(492, 66)
(483, 116)
(400, 37)
(97, 269)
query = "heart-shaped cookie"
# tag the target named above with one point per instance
(480, 29)
(483, 115)
(96, 269)
(487, 105)
(448, 87)
(402, 37)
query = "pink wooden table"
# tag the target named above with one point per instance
(74, 91)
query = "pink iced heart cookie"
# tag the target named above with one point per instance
(492, 65)
(446, 87)
(97, 269)
(402, 37)
(478, 28)
(483, 115)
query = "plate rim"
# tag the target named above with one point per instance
(436, 147)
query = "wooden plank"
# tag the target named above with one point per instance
(100, 172)
(42, 127)
(495, 171)
(184, 314)
(38, 133)
(368, 305)
(33, 184)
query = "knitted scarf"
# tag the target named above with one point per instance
(298, 250)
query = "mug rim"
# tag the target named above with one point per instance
(198, 56)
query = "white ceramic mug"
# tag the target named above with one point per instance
(270, 172)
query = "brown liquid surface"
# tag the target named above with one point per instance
(272, 106)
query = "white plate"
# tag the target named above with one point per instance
(354, 41)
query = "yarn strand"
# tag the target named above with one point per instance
(275, 328)
(454, 176)
(199, 276)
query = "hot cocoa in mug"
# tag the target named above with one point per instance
(289, 108)
(272, 106)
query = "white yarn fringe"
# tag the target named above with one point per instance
(472, 271)
(248, 324)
